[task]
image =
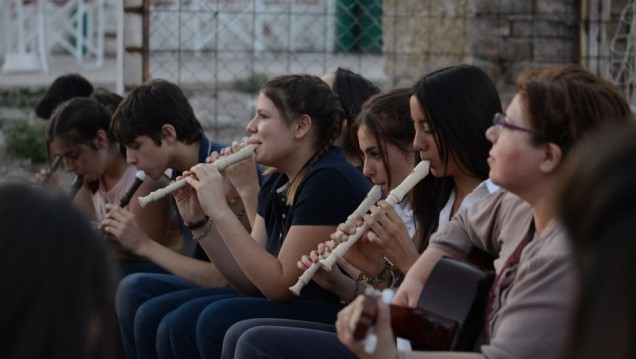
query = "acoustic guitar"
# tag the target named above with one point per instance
(449, 314)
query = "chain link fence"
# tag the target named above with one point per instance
(221, 51)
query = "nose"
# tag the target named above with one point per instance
(367, 169)
(251, 126)
(131, 159)
(419, 144)
(69, 166)
(492, 134)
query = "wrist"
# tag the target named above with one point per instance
(142, 248)
(201, 232)
(251, 192)
(198, 224)
(352, 294)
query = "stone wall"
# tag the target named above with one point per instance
(500, 36)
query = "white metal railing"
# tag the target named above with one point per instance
(34, 29)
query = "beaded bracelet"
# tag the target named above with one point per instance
(205, 233)
(198, 224)
(384, 275)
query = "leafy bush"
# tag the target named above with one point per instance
(250, 84)
(26, 140)
(24, 98)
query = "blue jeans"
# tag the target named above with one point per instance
(143, 299)
(220, 315)
(288, 339)
(132, 266)
(176, 333)
(235, 333)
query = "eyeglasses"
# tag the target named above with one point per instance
(499, 120)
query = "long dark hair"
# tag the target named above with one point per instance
(459, 102)
(58, 280)
(353, 90)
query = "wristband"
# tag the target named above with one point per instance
(198, 224)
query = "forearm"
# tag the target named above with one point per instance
(404, 261)
(261, 268)
(370, 263)
(218, 252)
(250, 202)
(347, 288)
(201, 273)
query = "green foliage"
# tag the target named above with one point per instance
(250, 84)
(26, 140)
(20, 97)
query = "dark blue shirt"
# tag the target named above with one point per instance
(331, 191)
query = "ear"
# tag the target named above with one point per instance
(168, 134)
(301, 126)
(101, 139)
(552, 156)
(345, 125)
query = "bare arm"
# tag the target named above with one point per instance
(240, 179)
(271, 275)
(409, 292)
(218, 252)
(128, 230)
(201, 273)
(244, 178)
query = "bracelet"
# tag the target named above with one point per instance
(205, 233)
(198, 224)
(384, 275)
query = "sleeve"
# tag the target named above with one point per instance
(327, 197)
(535, 320)
(475, 226)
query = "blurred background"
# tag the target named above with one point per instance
(221, 51)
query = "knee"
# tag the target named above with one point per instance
(250, 344)
(148, 315)
(128, 293)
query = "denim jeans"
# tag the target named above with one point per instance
(292, 339)
(237, 330)
(143, 299)
(176, 336)
(219, 316)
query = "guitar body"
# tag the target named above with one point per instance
(449, 314)
(456, 291)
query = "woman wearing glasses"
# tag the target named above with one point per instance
(529, 305)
